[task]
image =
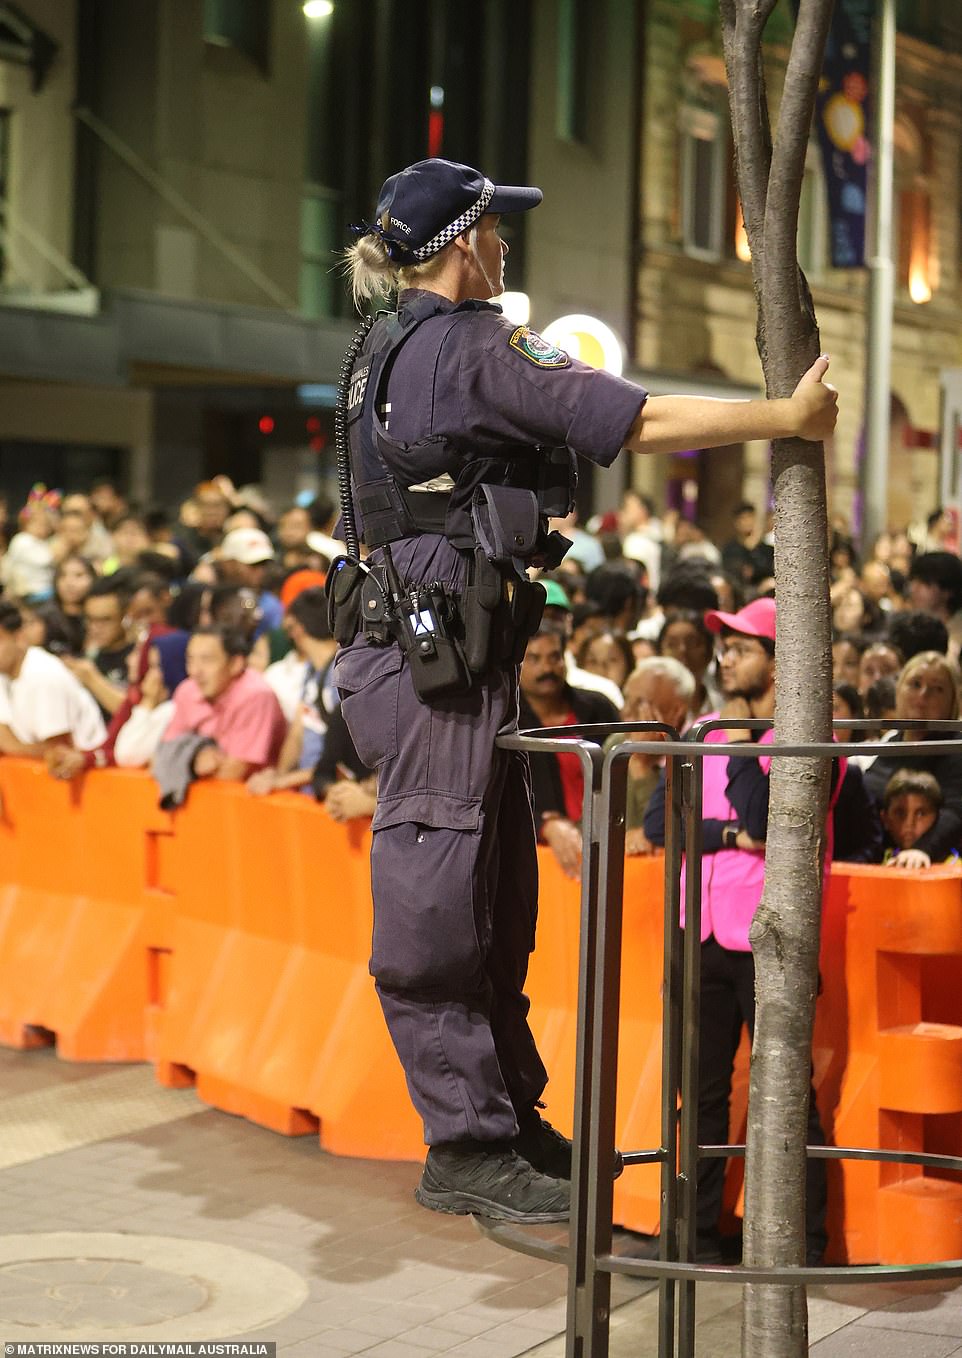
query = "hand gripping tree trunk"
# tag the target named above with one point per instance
(785, 932)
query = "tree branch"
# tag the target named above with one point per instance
(743, 23)
(788, 167)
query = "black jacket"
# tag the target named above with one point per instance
(589, 708)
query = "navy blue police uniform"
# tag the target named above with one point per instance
(453, 860)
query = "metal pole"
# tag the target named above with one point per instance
(881, 296)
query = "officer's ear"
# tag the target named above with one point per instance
(463, 243)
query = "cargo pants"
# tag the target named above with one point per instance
(454, 879)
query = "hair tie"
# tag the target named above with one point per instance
(396, 252)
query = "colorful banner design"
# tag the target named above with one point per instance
(842, 119)
(841, 114)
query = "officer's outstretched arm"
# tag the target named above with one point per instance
(673, 424)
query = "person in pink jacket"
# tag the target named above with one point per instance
(734, 826)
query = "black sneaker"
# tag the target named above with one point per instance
(544, 1147)
(490, 1183)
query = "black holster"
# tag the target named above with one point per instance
(500, 614)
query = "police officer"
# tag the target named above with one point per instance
(455, 419)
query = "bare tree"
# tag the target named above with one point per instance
(785, 932)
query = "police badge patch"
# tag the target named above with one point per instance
(537, 350)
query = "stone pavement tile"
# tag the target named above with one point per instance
(394, 1348)
(534, 1292)
(930, 1314)
(311, 1348)
(825, 1315)
(347, 1341)
(720, 1335)
(543, 1323)
(376, 1325)
(505, 1345)
(464, 1289)
(874, 1296)
(460, 1323)
(418, 1312)
(554, 1316)
(436, 1338)
(291, 1327)
(866, 1341)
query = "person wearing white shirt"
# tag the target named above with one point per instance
(41, 704)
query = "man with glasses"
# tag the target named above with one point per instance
(103, 668)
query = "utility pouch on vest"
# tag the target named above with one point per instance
(343, 589)
(506, 522)
(384, 512)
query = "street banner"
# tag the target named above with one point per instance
(842, 119)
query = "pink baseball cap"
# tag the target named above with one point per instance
(756, 619)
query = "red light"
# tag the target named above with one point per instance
(313, 425)
(318, 442)
(266, 424)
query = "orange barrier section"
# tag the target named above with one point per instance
(228, 944)
(83, 914)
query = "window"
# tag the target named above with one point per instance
(243, 25)
(4, 185)
(574, 45)
(813, 225)
(912, 243)
(705, 163)
(320, 235)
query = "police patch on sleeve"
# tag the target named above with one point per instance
(537, 350)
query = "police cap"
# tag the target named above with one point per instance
(423, 208)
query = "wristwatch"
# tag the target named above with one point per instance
(730, 837)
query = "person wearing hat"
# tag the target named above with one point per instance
(734, 829)
(463, 427)
(242, 559)
(557, 609)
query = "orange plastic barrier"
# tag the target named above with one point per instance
(82, 915)
(228, 944)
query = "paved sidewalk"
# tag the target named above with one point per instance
(128, 1211)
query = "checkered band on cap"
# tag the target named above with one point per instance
(467, 218)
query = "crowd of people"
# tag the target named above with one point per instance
(199, 646)
(614, 647)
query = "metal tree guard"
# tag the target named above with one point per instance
(588, 1249)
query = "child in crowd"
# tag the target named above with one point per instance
(910, 807)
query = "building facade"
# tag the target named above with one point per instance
(177, 177)
(695, 307)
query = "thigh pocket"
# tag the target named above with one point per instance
(369, 679)
(426, 897)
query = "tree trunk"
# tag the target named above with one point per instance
(785, 932)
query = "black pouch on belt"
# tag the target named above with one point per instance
(343, 589)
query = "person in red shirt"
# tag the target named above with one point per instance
(233, 705)
(557, 785)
